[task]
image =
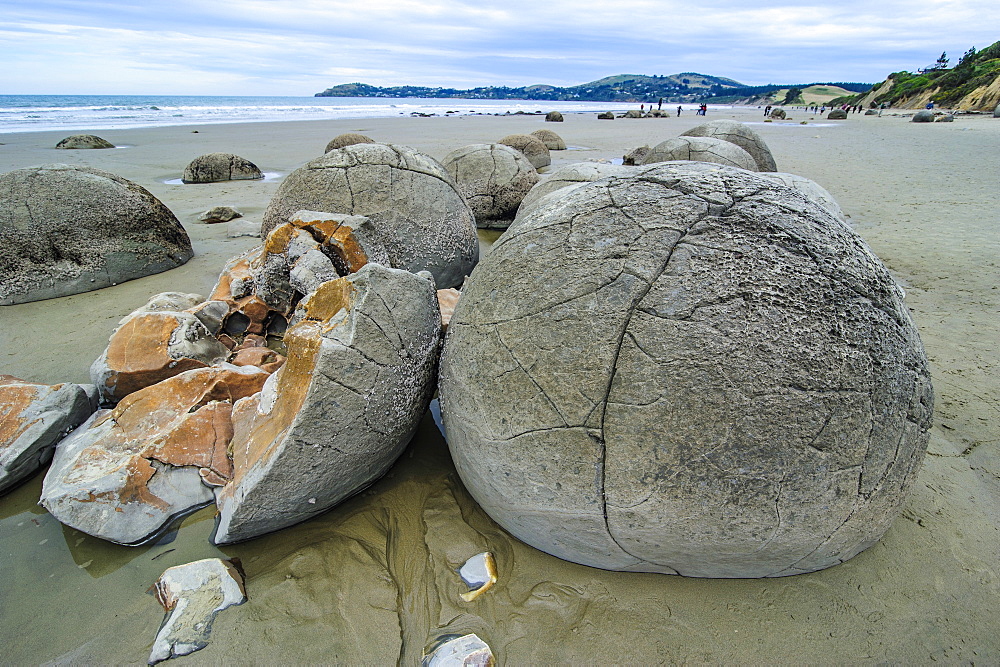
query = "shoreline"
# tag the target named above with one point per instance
(344, 587)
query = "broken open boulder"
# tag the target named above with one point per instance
(424, 222)
(33, 418)
(127, 472)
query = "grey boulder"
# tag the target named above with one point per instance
(688, 370)
(778, 114)
(218, 167)
(837, 114)
(363, 351)
(996, 112)
(551, 140)
(493, 178)
(741, 135)
(410, 197)
(811, 189)
(531, 147)
(348, 139)
(219, 214)
(923, 116)
(568, 176)
(635, 156)
(84, 141)
(701, 149)
(553, 117)
(66, 230)
(33, 418)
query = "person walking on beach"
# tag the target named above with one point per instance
(659, 107)
(678, 111)
(767, 110)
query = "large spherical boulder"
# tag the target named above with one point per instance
(217, 167)
(408, 196)
(701, 149)
(348, 139)
(66, 230)
(996, 112)
(636, 156)
(739, 134)
(551, 140)
(923, 116)
(531, 147)
(811, 189)
(553, 117)
(837, 114)
(568, 176)
(493, 178)
(686, 370)
(605, 115)
(778, 114)
(84, 141)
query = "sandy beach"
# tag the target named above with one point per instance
(373, 581)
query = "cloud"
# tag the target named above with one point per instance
(297, 48)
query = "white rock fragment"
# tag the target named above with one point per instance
(192, 594)
(479, 573)
(464, 651)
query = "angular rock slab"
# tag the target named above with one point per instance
(740, 134)
(362, 352)
(127, 472)
(700, 149)
(425, 223)
(493, 178)
(688, 370)
(33, 418)
(66, 230)
(192, 594)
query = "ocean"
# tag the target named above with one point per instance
(35, 113)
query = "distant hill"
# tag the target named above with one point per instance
(972, 85)
(683, 87)
(803, 93)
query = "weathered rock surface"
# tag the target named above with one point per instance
(740, 134)
(605, 115)
(219, 214)
(811, 189)
(531, 147)
(84, 141)
(424, 221)
(218, 167)
(778, 114)
(632, 113)
(66, 230)
(569, 176)
(923, 116)
(551, 140)
(33, 418)
(493, 178)
(554, 117)
(362, 351)
(348, 139)
(192, 594)
(837, 114)
(996, 112)
(126, 473)
(447, 300)
(945, 118)
(701, 149)
(635, 156)
(686, 370)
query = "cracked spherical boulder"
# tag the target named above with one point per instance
(741, 135)
(810, 189)
(33, 418)
(569, 176)
(551, 140)
(218, 167)
(126, 473)
(409, 197)
(531, 147)
(66, 230)
(84, 141)
(348, 139)
(362, 352)
(493, 178)
(688, 370)
(700, 149)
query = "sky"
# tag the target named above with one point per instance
(300, 47)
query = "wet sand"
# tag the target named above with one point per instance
(373, 580)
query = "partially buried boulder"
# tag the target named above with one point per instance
(33, 418)
(686, 370)
(605, 115)
(348, 139)
(553, 117)
(66, 230)
(84, 141)
(701, 149)
(923, 116)
(837, 114)
(493, 178)
(551, 140)
(635, 156)
(218, 167)
(741, 135)
(531, 147)
(409, 197)
(778, 114)
(362, 354)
